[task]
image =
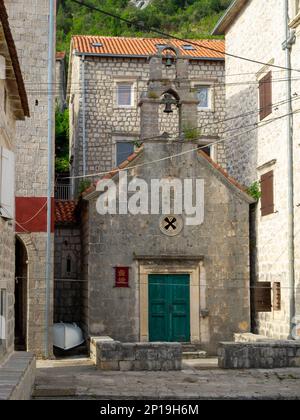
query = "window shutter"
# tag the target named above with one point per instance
(267, 193)
(265, 96)
(7, 184)
(263, 298)
(277, 296)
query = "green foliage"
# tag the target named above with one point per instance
(84, 184)
(254, 190)
(62, 140)
(185, 18)
(191, 133)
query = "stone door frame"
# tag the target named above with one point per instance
(160, 266)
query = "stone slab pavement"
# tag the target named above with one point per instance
(200, 379)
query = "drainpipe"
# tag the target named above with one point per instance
(49, 262)
(83, 117)
(287, 47)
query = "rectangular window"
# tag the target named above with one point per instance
(267, 193)
(263, 298)
(2, 314)
(204, 97)
(125, 94)
(124, 150)
(265, 96)
(206, 149)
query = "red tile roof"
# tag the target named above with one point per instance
(223, 172)
(65, 212)
(131, 158)
(141, 47)
(60, 55)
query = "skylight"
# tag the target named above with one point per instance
(188, 47)
(97, 44)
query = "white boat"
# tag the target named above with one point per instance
(67, 336)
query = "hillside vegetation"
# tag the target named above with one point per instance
(185, 18)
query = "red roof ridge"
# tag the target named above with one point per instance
(223, 172)
(114, 171)
(143, 46)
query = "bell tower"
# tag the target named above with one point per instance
(169, 93)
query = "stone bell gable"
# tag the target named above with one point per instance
(162, 91)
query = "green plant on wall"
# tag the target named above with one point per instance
(84, 184)
(254, 190)
(191, 133)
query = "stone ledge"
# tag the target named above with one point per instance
(115, 356)
(17, 377)
(259, 355)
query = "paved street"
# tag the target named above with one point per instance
(78, 379)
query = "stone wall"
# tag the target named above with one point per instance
(258, 33)
(221, 245)
(29, 20)
(7, 283)
(259, 355)
(68, 284)
(106, 123)
(116, 356)
(17, 377)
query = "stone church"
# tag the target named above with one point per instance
(162, 275)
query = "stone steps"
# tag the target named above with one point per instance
(193, 351)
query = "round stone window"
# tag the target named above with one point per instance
(171, 225)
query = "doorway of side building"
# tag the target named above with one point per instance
(21, 283)
(169, 308)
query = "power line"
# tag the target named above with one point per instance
(117, 170)
(147, 28)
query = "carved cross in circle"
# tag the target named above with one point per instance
(170, 223)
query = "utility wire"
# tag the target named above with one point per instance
(147, 28)
(117, 170)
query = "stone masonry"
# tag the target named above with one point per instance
(115, 356)
(259, 355)
(215, 253)
(258, 32)
(106, 123)
(29, 21)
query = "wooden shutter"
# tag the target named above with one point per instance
(267, 193)
(7, 183)
(277, 296)
(265, 96)
(263, 298)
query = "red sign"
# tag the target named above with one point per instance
(122, 276)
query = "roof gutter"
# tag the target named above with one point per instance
(79, 54)
(230, 14)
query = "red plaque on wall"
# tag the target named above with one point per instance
(122, 276)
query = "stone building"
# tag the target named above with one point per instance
(13, 107)
(106, 78)
(29, 21)
(158, 275)
(263, 109)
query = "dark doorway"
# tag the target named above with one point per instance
(21, 297)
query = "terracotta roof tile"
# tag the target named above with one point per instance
(60, 55)
(223, 172)
(65, 212)
(141, 47)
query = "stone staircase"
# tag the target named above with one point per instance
(193, 351)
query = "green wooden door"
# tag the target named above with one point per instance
(169, 308)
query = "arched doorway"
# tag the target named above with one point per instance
(21, 283)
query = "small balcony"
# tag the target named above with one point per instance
(63, 192)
